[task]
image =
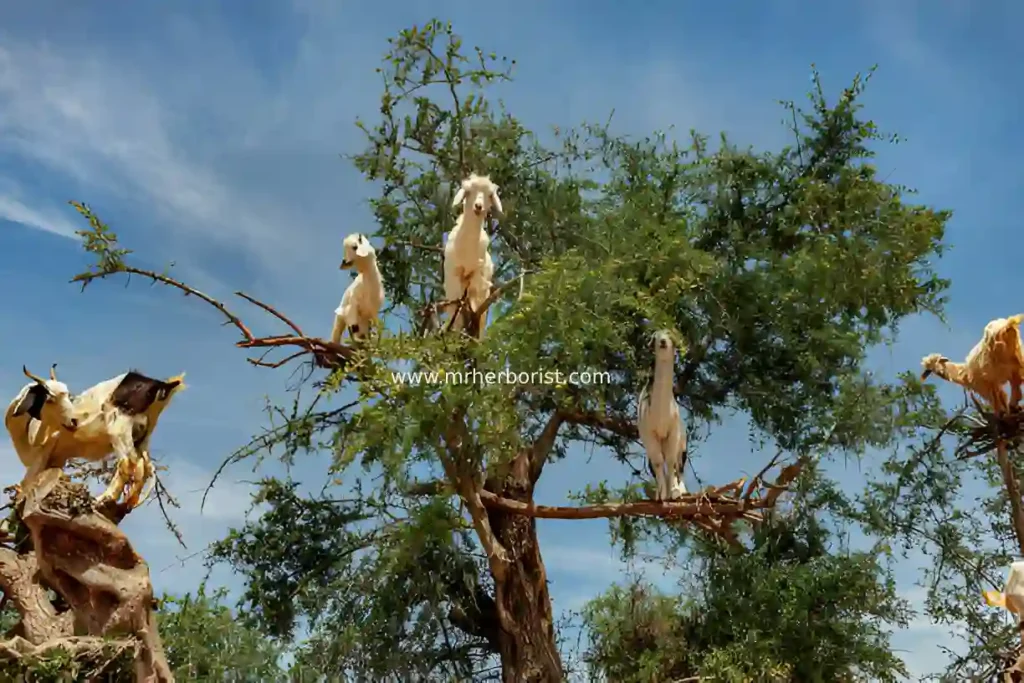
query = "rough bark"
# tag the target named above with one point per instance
(83, 556)
(526, 640)
(40, 621)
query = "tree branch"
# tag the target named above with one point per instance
(541, 448)
(609, 423)
(327, 354)
(471, 493)
(39, 619)
(712, 504)
(86, 278)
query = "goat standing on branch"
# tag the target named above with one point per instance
(994, 361)
(35, 419)
(361, 302)
(468, 268)
(116, 416)
(661, 430)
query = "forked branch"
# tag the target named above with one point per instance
(326, 353)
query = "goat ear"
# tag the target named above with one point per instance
(495, 201)
(459, 196)
(31, 402)
(364, 248)
(23, 404)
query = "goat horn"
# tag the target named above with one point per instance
(31, 376)
(53, 372)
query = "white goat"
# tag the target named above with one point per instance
(35, 420)
(661, 430)
(468, 268)
(361, 302)
(117, 417)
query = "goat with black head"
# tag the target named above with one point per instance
(35, 420)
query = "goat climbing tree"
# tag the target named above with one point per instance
(776, 271)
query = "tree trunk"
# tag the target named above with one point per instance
(89, 561)
(528, 651)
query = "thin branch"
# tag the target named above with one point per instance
(610, 423)
(326, 353)
(272, 311)
(497, 292)
(85, 278)
(541, 448)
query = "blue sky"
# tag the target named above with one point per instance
(209, 134)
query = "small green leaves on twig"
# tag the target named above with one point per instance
(101, 241)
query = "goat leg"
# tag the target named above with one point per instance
(657, 461)
(122, 475)
(142, 472)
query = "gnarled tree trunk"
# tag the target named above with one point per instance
(83, 556)
(529, 653)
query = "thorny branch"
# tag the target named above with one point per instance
(327, 353)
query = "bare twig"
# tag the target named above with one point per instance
(85, 278)
(272, 311)
(326, 353)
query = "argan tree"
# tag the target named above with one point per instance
(775, 271)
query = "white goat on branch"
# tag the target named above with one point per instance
(661, 430)
(360, 305)
(468, 268)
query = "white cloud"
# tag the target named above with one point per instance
(106, 126)
(13, 210)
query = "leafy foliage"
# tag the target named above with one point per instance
(8, 618)
(789, 608)
(955, 510)
(204, 641)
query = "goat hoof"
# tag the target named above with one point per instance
(102, 501)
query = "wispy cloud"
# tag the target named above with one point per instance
(106, 127)
(47, 220)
